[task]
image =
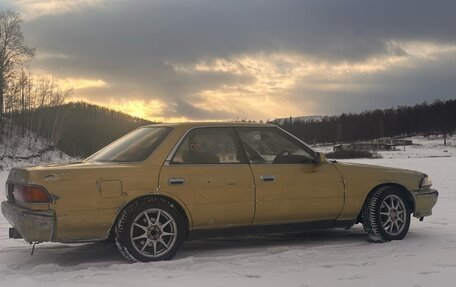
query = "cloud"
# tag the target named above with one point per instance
(36, 8)
(246, 59)
(424, 76)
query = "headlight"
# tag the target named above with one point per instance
(425, 182)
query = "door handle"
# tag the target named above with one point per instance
(267, 178)
(175, 181)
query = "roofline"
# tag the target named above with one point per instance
(214, 124)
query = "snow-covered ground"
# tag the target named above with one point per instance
(422, 147)
(28, 149)
(426, 257)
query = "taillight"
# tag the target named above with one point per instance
(30, 194)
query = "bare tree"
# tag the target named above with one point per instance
(56, 132)
(13, 52)
(45, 93)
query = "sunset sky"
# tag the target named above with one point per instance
(179, 60)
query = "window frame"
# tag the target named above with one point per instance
(91, 160)
(236, 139)
(287, 136)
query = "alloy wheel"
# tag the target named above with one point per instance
(393, 214)
(153, 232)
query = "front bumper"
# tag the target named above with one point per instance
(424, 202)
(32, 225)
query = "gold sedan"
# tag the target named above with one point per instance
(161, 184)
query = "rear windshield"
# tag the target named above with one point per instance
(133, 147)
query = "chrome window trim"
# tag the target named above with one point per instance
(181, 139)
(206, 164)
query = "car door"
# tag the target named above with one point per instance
(210, 174)
(290, 185)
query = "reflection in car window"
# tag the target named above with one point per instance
(271, 145)
(134, 147)
(208, 146)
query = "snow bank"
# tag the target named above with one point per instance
(29, 149)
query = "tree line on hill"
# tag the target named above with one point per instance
(85, 127)
(438, 117)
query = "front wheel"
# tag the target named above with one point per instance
(386, 215)
(151, 229)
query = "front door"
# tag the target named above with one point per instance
(290, 185)
(210, 174)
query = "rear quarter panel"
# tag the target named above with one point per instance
(85, 201)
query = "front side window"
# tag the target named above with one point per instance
(134, 147)
(271, 145)
(209, 146)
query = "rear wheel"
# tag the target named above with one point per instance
(386, 215)
(151, 229)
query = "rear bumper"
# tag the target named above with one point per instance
(32, 225)
(424, 202)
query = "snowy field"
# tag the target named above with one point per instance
(426, 257)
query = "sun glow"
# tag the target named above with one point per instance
(138, 108)
(73, 83)
(150, 110)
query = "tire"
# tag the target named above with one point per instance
(141, 237)
(386, 215)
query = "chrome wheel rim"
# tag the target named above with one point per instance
(393, 214)
(153, 232)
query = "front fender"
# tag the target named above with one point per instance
(360, 179)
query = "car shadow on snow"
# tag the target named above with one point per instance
(106, 254)
(63, 255)
(79, 256)
(227, 245)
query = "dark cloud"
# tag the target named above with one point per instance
(129, 43)
(185, 30)
(427, 81)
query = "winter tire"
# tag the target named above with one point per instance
(150, 229)
(386, 215)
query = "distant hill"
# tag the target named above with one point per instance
(83, 128)
(438, 117)
(79, 129)
(303, 119)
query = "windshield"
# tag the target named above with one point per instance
(133, 147)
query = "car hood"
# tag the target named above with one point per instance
(374, 175)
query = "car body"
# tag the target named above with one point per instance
(160, 184)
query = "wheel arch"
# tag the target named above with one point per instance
(408, 196)
(180, 208)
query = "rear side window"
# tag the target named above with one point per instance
(133, 147)
(209, 146)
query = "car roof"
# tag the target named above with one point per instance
(213, 124)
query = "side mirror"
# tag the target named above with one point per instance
(320, 157)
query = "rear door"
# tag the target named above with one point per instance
(210, 174)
